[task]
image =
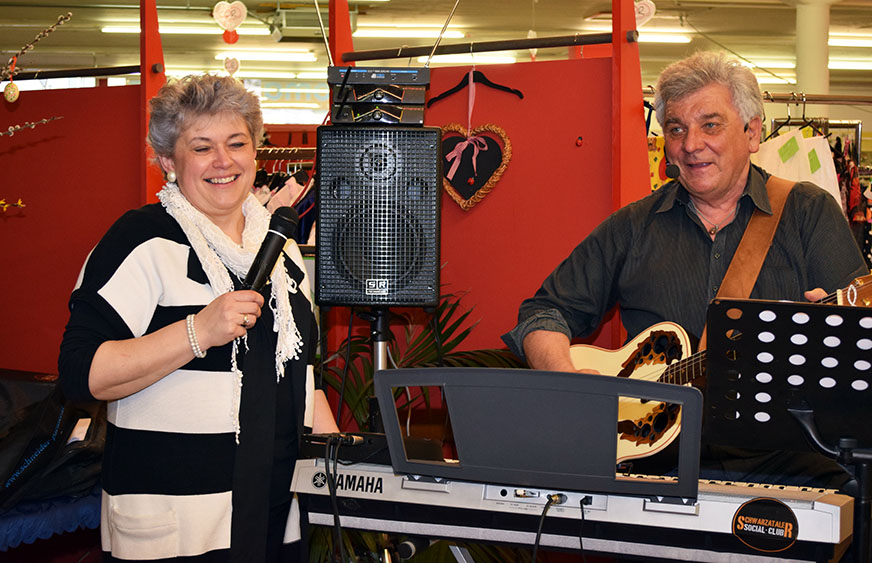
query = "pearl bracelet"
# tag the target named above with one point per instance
(192, 338)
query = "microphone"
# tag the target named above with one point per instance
(282, 225)
(672, 171)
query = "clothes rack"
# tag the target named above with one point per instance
(286, 153)
(487, 46)
(799, 98)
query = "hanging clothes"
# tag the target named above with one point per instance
(793, 156)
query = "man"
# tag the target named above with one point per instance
(663, 257)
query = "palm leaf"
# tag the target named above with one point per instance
(417, 347)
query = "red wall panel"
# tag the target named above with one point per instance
(555, 190)
(75, 176)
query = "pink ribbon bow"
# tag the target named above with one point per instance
(478, 143)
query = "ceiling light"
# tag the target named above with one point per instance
(312, 75)
(178, 72)
(186, 30)
(265, 74)
(855, 41)
(769, 79)
(181, 72)
(274, 56)
(834, 64)
(384, 24)
(406, 32)
(324, 91)
(837, 64)
(305, 105)
(769, 64)
(471, 59)
(649, 37)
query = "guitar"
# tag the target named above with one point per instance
(662, 353)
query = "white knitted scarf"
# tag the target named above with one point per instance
(218, 253)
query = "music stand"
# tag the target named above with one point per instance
(796, 377)
(540, 429)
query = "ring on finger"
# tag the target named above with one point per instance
(245, 320)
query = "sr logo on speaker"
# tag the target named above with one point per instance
(377, 287)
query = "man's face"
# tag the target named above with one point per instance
(707, 139)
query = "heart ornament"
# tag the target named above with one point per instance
(228, 15)
(473, 161)
(644, 11)
(231, 65)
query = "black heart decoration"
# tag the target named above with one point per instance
(470, 184)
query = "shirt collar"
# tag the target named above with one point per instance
(755, 187)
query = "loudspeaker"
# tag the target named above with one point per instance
(378, 215)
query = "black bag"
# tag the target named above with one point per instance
(35, 460)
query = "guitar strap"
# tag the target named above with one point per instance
(746, 263)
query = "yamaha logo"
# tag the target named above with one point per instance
(319, 480)
(351, 482)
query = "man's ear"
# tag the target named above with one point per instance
(754, 130)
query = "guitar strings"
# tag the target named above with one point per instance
(687, 369)
(694, 365)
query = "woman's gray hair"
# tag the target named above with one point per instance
(180, 101)
(702, 69)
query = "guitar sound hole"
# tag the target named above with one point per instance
(667, 345)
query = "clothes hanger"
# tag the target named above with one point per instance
(650, 108)
(785, 123)
(479, 78)
(810, 122)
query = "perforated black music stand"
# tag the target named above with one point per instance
(540, 429)
(796, 377)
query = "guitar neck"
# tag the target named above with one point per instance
(684, 371)
(856, 294)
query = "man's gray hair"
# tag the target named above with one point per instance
(702, 69)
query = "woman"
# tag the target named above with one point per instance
(208, 390)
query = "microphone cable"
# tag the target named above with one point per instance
(551, 500)
(331, 453)
(585, 500)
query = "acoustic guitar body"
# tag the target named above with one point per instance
(643, 427)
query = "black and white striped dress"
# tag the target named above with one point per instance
(173, 474)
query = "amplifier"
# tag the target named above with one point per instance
(380, 94)
(386, 95)
(377, 113)
(403, 76)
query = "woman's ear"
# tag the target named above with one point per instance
(166, 163)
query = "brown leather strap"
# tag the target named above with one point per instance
(746, 263)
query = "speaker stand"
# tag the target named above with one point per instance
(379, 334)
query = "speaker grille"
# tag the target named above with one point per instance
(378, 215)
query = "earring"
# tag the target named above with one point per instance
(171, 177)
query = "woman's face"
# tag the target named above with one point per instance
(214, 162)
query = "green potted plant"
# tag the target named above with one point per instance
(412, 344)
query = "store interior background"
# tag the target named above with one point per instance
(553, 192)
(769, 34)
